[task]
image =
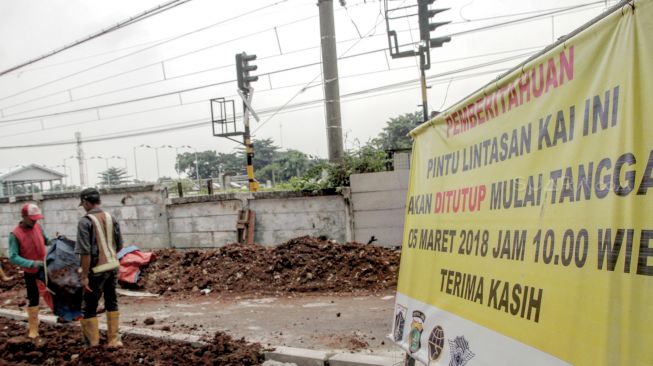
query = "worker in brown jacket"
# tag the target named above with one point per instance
(98, 241)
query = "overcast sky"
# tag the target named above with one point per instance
(141, 60)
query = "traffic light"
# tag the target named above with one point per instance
(243, 68)
(426, 27)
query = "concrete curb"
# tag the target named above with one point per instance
(298, 356)
(307, 357)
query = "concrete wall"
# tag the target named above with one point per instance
(140, 210)
(210, 221)
(149, 219)
(203, 222)
(379, 204)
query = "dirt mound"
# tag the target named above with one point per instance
(62, 346)
(303, 264)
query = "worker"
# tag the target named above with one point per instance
(3, 276)
(98, 241)
(27, 250)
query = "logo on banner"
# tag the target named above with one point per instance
(460, 352)
(416, 328)
(400, 322)
(436, 343)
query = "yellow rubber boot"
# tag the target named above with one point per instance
(113, 323)
(90, 332)
(33, 321)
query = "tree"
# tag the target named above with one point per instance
(264, 153)
(395, 134)
(210, 164)
(113, 176)
(285, 165)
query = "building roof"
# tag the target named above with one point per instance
(31, 173)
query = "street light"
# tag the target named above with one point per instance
(106, 162)
(71, 169)
(156, 152)
(119, 157)
(65, 171)
(197, 170)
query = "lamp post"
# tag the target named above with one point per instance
(71, 169)
(106, 163)
(197, 170)
(135, 162)
(65, 171)
(120, 157)
(156, 152)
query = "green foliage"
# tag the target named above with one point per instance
(285, 165)
(187, 185)
(210, 164)
(395, 134)
(113, 177)
(264, 153)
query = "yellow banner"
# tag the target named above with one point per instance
(530, 209)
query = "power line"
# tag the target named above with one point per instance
(146, 14)
(144, 49)
(69, 89)
(8, 121)
(260, 91)
(195, 123)
(157, 63)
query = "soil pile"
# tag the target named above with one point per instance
(62, 346)
(304, 264)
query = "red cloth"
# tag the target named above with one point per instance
(32, 244)
(131, 263)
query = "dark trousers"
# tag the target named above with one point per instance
(32, 288)
(101, 284)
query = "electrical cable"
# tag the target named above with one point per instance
(145, 49)
(9, 122)
(146, 14)
(79, 123)
(193, 123)
(69, 90)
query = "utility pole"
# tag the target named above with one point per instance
(80, 159)
(330, 80)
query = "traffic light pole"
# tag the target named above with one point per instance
(249, 150)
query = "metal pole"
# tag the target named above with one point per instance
(135, 164)
(80, 159)
(249, 149)
(425, 108)
(177, 168)
(156, 152)
(330, 80)
(197, 170)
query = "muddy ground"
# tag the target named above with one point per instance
(62, 346)
(303, 266)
